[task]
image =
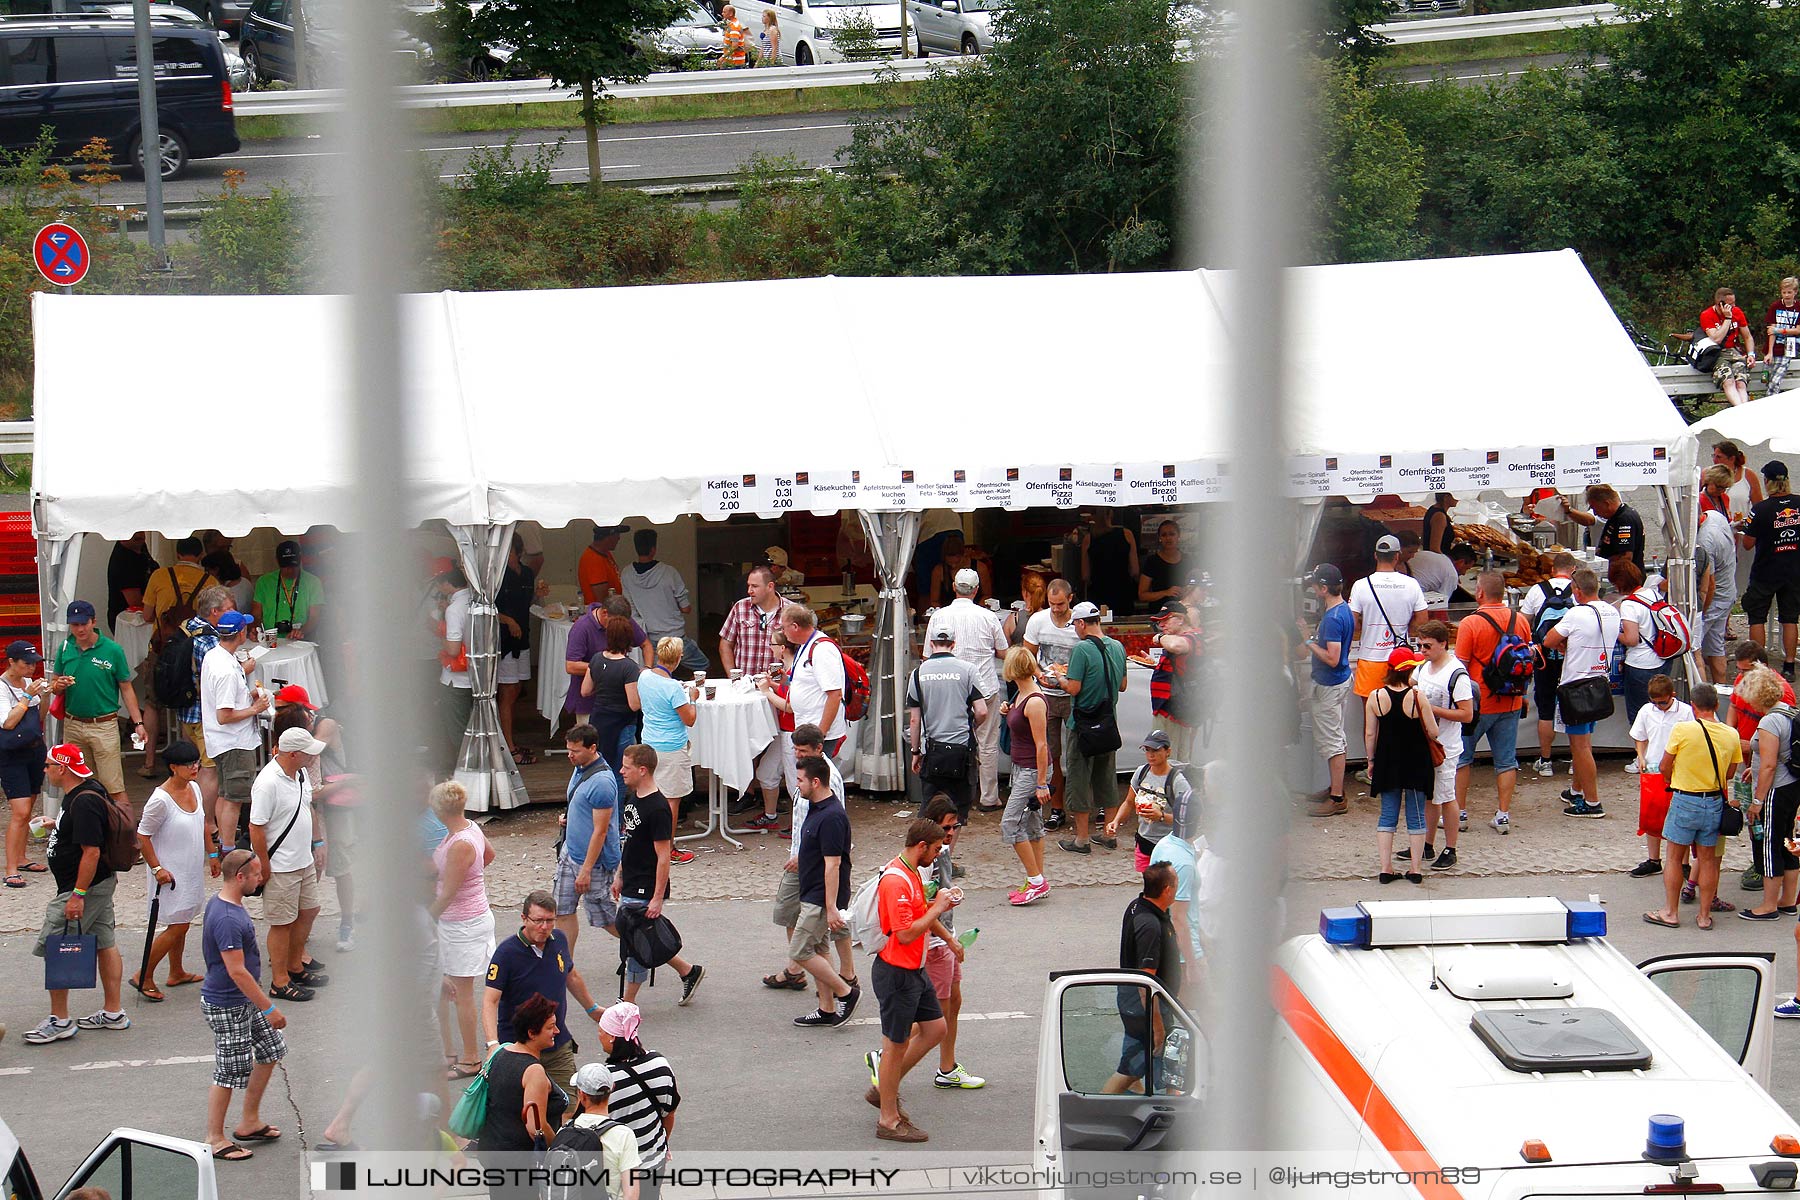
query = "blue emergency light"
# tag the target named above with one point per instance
(1668, 1139)
(1586, 919)
(1345, 927)
(1388, 923)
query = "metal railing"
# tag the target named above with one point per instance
(724, 82)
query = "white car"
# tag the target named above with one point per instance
(952, 26)
(131, 1164)
(808, 27)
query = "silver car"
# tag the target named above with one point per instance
(174, 14)
(952, 26)
(694, 34)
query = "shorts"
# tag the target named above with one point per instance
(99, 741)
(1328, 717)
(906, 998)
(787, 899)
(340, 840)
(514, 667)
(1777, 858)
(1089, 783)
(1693, 820)
(769, 763)
(674, 773)
(237, 772)
(559, 1064)
(1019, 822)
(1134, 1054)
(143, 677)
(1371, 673)
(597, 900)
(195, 733)
(1584, 729)
(1501, 729)
(23, 778)
(1731, 365)
(1414, 802)
(812, 935)
(1784, 596)
(465, 947)
(1181, 737)
(1544, 683)
(96, 916)
(241, 1036)
(1713, 638)
(1443, 787)
(290, 893)
(1653, 803)
(943, 970)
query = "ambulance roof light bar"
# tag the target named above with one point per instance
(1381, 924)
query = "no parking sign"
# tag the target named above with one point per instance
(61, 254)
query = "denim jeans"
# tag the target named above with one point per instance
(1391, 802)
(1637, 688)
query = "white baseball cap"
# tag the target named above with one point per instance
(968, 579)
(1087, 610)
(595, 1079)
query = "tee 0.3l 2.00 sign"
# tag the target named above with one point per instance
(60, 254)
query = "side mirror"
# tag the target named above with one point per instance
(952, 5)
(223, 36)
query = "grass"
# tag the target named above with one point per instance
(567, 115)
(1523, 45)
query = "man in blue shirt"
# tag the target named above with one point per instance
(590, 838)
(1179, 853)
(536, 961)
(1329, 651)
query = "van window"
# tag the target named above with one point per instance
(20, 1184)
(274, 10)
(1110, 1044)
(173, 57)
(1722, 1000)
(79, 60)
(154, 1173)
(27, 61)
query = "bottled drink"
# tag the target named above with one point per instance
(968, 936)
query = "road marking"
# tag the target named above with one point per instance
(993, 1016)
(1454, 78)
(111, 1064)
(15, 1070)
(611, 166)
(571, 141)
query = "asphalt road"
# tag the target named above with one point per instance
(750, 1082)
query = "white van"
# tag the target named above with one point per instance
(130, 1164)
(1502, 1035)
(807, 26)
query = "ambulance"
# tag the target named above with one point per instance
(1470, 1049)
(131, 1164)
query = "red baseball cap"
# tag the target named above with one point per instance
(293, 693)
(1404, 657)
(69, 755)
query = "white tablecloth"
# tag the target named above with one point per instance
(552, 675)
(134, 639)
(728, 734)
(296, 662)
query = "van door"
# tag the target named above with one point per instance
(1121, 1070)
(1731, 996)
(24, 89)
(132, 1164)
(85, 100)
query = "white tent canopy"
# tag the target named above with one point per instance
(1770, 424)
(656, 401)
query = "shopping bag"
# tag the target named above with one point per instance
(71, 961)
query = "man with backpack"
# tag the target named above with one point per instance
(1495, 645)
(1545, 605)
(171, 599)
(84, 861)
(180, 690)
(94, 681)
(593, 1145)
(816, 689)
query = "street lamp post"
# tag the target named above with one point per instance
(150, 133)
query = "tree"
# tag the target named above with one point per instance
(579, 43)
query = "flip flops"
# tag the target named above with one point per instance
(462, 1070)
(15, 881)
(35, 868)
(1656, 919)
(232, 1152)
(148, 991)
(268, 1133)
(184, 980)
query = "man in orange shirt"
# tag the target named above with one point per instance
(1477, 636)
(597, 573)
(902, 987)
(735, 38)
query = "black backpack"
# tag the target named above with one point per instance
(574, 1162)
(1793, 747)
(174, 684)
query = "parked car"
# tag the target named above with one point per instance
(130, 1164)
(809, 27)
(268, 42)
(952, 26)
(78, 78)
(696, 34)
(176, 14)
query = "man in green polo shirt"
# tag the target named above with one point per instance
(1095, 678)
(288, 596)
(94, 679)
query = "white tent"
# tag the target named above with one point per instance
(820, 395)
(1767, 425)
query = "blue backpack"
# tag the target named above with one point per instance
(1508, 670)
(1557, 605)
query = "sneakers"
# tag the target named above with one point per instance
(1446, 860)
(1750, 914)
(103, 1020)
(1330, 806)
(1111, 843)
(1075, 847)
(690, 983)
(1406, 853)
(1648, 867)
(1581, 808)
(1029, 893)
(346, 941)
(847, 1004)
(1502, 823)
(956, 1077)
(1544, 767)
(819, 1020)
(678, 855)
(1752, 880)
(51, 1030)
(1787, 1010)
(763, 821)
(1631, 768)
(1462, 821)
(872, 1060)
(1055, 820)
(1570, 796)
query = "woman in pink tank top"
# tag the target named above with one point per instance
(465, 925)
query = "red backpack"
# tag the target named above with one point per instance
(1669, 633)
(856, 681)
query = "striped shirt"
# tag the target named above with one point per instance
(631, 1106)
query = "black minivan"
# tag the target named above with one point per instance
(78, 76)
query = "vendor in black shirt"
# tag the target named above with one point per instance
(1774, 534)
(1166, 571)
(128, 573)
(1148, 943)
(1623, 532)
(518, 591)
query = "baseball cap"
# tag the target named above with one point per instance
(968, 577)
(594, 1079)
(230, 622)
(1326, 575)
(1387, 544)
(299, 741)
(1775, 469)
(287, 554)
(943, 635)
(70, 756)
(1087, 610)
(1156, 739)
(293, 693)
(80, 612)
(1169, 608)
(1402, 658)
(23, 651)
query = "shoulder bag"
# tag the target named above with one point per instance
(30, 729)
(1731, 817)
(276, 845)
(1097, 730)
(1590, 698)
(470, 1113)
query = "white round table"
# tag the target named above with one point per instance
(728, 734)
(133, 638)
(552, 674)
(296, 662)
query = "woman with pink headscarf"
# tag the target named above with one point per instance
(644, 1096)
